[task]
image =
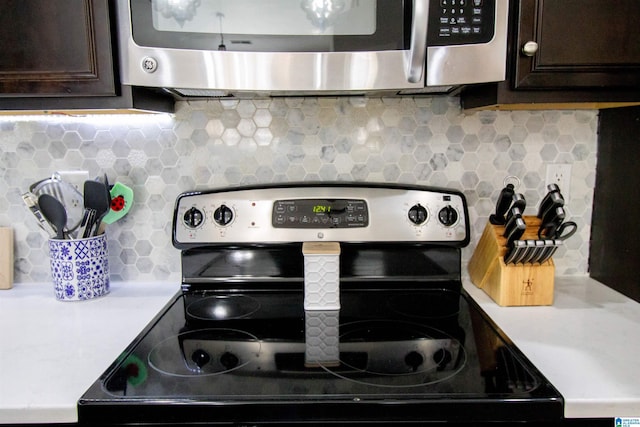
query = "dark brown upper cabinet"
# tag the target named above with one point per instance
(55, 48)
(567, 54)
(60, 55)
(577, 44)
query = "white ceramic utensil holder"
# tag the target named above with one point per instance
(79, 268)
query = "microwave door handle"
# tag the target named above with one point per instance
(418, 49)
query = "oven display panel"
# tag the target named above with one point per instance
(320, 213)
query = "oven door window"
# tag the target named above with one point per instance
(272, 26)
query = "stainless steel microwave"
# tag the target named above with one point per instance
(215, 47)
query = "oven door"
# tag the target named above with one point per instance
(302, 46)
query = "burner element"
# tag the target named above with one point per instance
(205, 352)
(400, 354)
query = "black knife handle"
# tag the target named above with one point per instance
(502, 206)
(551, 220)
(528, 252)
(521, 227)
(511, 221)
(549, 246)
(513, 212)
(554, 201)
(518, 201)
(515, 252)
(516, 231)
(553, 194)
(556, 215)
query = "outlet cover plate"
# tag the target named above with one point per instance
(74, 177)
(560, 174)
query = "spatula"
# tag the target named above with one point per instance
(96, 198)
(121, 201)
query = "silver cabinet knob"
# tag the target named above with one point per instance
(529, 48)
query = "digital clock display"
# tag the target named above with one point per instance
(320, 213)
(321, 209)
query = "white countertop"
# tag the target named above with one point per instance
(52, 351)
(587, 344)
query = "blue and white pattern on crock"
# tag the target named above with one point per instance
(79, 268)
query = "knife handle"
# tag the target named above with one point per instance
(518, 201)
(554, 201)
(516, 230)
(553, 197)
(515, 251)
(556, 245)
(529, 251)
(538, 253)
(510, 221)
(519, 230)
(550, 223)
(554, 216)
(513, 212)
(547, 251)
(502, 206)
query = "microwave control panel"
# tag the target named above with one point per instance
(460, 22)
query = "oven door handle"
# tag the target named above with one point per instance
(418, 49)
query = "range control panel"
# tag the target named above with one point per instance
(320, 213)
(342, 213)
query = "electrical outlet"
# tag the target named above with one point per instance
(75, 178)
(560, 174)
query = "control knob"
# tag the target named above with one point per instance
(193, 217)
(418, 214)
(448, 216)
(223, 215)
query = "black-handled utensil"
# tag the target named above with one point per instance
(558, 231)
(550, 246)
(551, 200)
(97, 199)
(528, 252)
(502, 206)
(518, 201)
(554, 216)
(513, 213)
(53, 210)
(551, 220)
(515, 231)
(539, 251)
(515, 252)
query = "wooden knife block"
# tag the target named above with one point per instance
(513, 284)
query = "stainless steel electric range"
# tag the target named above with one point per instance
(397, 340)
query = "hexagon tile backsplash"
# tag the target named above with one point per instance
(217, 143)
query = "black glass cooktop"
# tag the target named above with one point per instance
(255, 356)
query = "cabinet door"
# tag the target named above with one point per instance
(55, 48)
(580, 43)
